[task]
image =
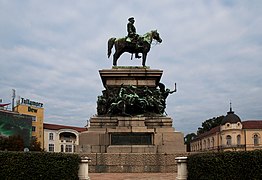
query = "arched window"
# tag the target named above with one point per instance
(208, 143)
(238, 139)
(256, 139)
(205, 144)
(213, 142)
(228, 138)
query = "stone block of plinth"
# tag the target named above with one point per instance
(130, 76)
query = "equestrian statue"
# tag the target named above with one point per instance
(132, 43)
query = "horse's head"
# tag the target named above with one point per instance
(156, 36)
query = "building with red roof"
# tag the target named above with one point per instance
(61, 138)
(231, 135)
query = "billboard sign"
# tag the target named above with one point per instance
(14, 124)
(31, 103)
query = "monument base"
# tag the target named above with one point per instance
(131, 145)
(133, 162)
(131, 135)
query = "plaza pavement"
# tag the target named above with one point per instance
(132, 176)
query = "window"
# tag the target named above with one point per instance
(205, 146)
(228, 138)
(208, 143)
(238, 139)
(34, 118)
(51, 148)
(256, 140)
(51, 136)
(62, 148)
(68, 148)
(33, 128)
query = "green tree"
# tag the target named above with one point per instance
(11, 143)
(187, 139)
(3, 143)
(35, 145)
(209, 124)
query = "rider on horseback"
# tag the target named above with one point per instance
(132, 36)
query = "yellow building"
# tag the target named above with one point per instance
(28, 107)
(231, 135)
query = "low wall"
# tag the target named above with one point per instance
(132, 162)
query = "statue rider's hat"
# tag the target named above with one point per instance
(131, 19)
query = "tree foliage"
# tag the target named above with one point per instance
(11, 143)
(16, 143)
(188, 138)
(35, 145)
(206, 126)
(209, 124)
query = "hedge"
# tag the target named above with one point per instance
(225, 165)
(30, 165)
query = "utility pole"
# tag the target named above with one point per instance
(13, 100)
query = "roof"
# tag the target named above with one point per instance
(249, 124)
(14, 113)
(58, 127)
(2, 105)
(231, 117)
(208, 133)
(7, 111)
(252, 124)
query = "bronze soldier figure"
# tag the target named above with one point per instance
(131, 33)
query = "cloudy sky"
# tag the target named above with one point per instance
(51, 51)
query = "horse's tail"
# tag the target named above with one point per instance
(110, 44)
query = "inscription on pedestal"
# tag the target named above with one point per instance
(131, 138)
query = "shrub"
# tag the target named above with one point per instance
(225, 165)
(29, 165)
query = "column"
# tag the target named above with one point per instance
(181, 168)
(83, 168)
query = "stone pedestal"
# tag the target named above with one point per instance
(140, 133)
(181, 168)
(83, 169)
(153, 135)
(137, 76)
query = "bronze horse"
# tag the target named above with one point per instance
(143, 46)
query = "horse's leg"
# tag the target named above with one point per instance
(144, 59)
(115, 57)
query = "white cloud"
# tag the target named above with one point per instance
(51, 51)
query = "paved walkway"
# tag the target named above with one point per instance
(132, 176)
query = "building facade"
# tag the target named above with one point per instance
(231, 135)
(35, 109)
(60, 138)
